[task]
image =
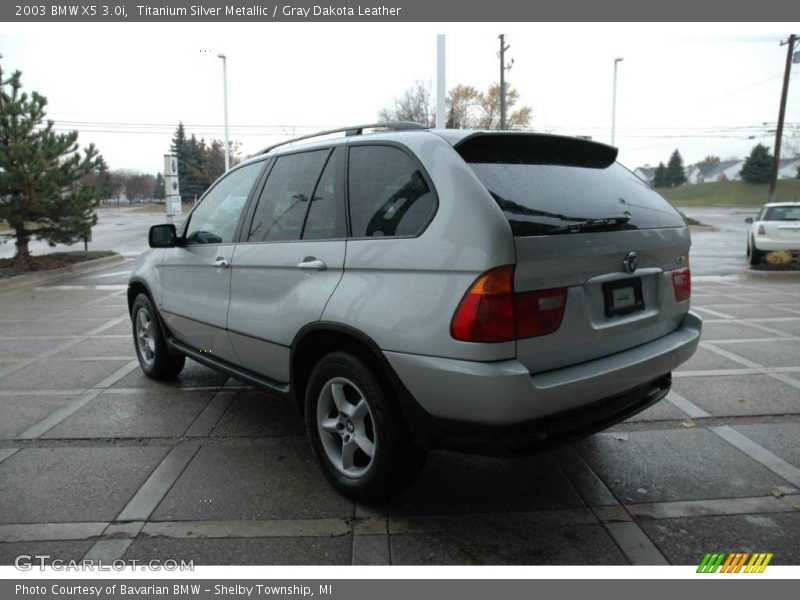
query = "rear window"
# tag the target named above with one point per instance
(547, 185)
(389, 195)
(782, 213)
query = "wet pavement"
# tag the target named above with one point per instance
(720, 248)
(716, 250)
(118, 228)
(98, 461)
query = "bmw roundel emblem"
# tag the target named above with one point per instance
(631, 262)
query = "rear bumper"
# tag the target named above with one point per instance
(766, 244)
(541, 433)
(504, 393)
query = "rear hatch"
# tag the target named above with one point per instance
(782, 224)
(585, 225)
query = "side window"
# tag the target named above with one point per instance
(215, 218)
(284, 200)
(326, 216)
(388, 194)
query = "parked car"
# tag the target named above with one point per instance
(777, 227)
(412, 289)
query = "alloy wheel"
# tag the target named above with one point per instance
(346, 427)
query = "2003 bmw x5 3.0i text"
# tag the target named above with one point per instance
(412, 288)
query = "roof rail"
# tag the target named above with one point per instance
(348, 131)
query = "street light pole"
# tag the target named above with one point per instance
(225, 100)
(614, 103)
(441, 87)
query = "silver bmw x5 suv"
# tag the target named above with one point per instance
(412, 289)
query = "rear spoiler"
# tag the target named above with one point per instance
(534, 149)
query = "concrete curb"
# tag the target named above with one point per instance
(748, 274)
(23, 281)
(785, 275)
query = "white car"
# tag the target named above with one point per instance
(777, 227)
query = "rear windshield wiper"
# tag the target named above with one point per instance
(593, 224)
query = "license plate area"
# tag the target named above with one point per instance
(623, 296)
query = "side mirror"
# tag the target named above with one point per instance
(163, 236)
(749, 220)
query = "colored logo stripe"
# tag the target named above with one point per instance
(735, 562)
(758, 563)
(711, 563)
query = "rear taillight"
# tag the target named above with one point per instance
(682, 284)
(486, 313)
(761, 230)
(491, 311)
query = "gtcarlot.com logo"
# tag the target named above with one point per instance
(736, 562)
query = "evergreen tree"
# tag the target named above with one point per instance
(46, 189)
(194, 167)
(100, 179)
(660, 176)
(675, 174)
(199, 164)
(180, 148)
(213, 162)
(758, 166)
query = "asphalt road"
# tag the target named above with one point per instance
(97, 461)
(721, 250)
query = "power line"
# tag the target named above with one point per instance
(172, 126)
(166, 128)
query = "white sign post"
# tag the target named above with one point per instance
(172, 195)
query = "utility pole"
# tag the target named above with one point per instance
(503, 69)
(773, 180)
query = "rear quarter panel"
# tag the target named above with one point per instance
(403, 292)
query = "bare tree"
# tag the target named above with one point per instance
(490, 105)
(415, 105)
(467, 108)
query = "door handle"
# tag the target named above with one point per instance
(311, 263)
(220, 262)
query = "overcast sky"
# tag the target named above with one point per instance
(701, 88)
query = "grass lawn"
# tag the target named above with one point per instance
(730, 193)
(5, 229)
(11, 267)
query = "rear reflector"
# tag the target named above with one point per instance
(682, 284)
(539, 313)
(491, 311)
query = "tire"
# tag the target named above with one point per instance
(154, 355)
(754, 253)
(355, 430)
